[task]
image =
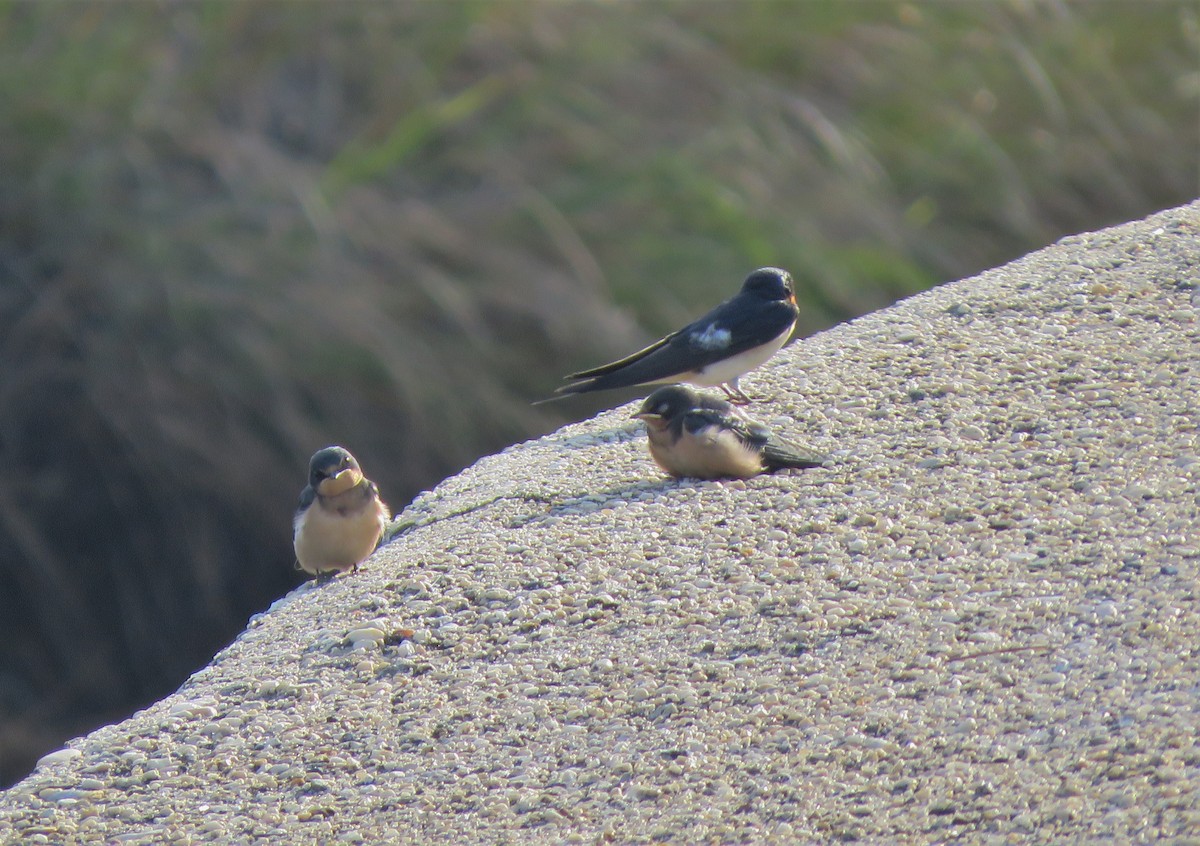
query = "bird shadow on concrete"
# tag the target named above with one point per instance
(606, 499)
(605, 437)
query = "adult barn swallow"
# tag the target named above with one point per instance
(704, 437)
(341, 518)
(732, 339)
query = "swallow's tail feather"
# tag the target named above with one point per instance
(776, 456)
(641, 368)
(613, 366)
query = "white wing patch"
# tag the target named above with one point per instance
(713, 337)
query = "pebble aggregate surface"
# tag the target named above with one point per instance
(977, 623)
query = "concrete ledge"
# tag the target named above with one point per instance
(980, 623)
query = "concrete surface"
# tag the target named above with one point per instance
(978, 623)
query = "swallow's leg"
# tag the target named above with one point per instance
(735, 394)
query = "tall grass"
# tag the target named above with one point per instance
(234, 233)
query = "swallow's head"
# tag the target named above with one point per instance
(665, 404)
(770, 283)
(333, 470)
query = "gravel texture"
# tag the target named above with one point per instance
(977, 623)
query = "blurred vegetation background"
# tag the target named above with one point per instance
(232, 233)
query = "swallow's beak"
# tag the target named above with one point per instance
(341, 482)
(654, 422)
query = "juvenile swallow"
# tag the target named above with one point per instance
(705, 437)
(731, 340)
(341, 518)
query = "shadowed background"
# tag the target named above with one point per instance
(233, 233)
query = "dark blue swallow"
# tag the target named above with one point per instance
(341, 518)
(704, 437)
(731, 340)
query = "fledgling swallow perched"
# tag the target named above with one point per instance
(704, 437)
(341, 518)
(731, 340)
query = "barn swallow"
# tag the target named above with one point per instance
(705, 437)
(341, 518)
(731, 340)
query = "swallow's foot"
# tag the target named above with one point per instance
(736, 396)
